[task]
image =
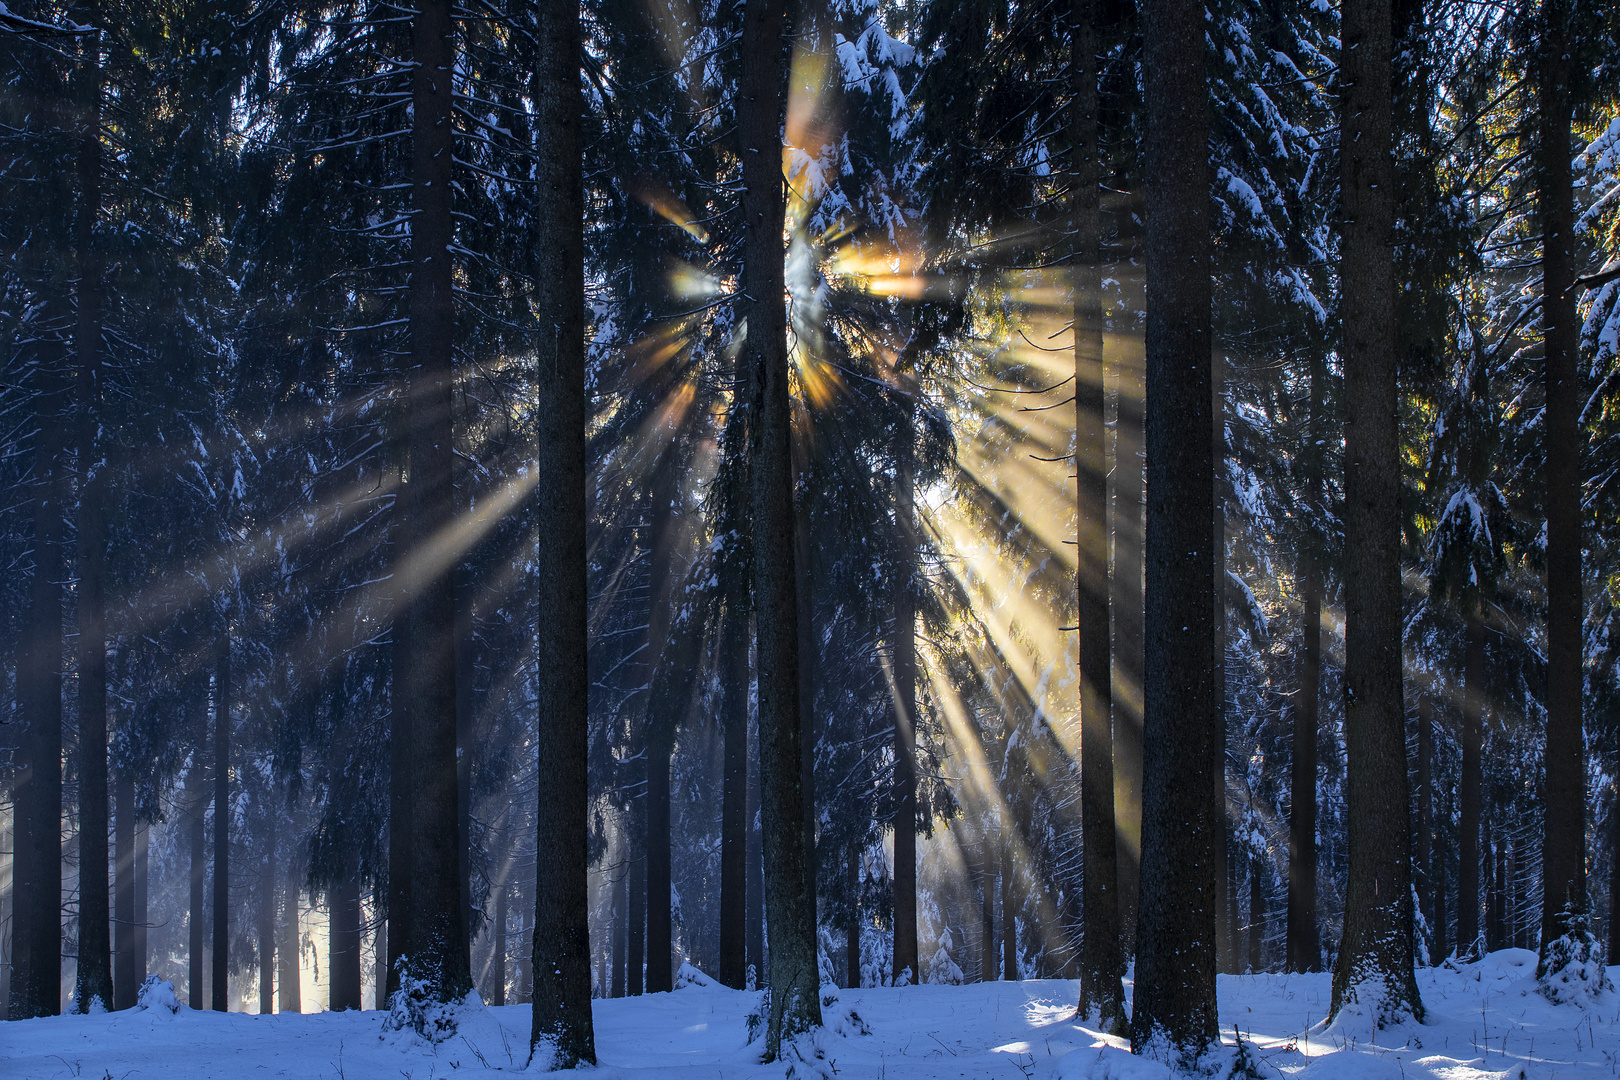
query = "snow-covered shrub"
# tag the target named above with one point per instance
(687, 975)
(942, 969)
(415, 1006)
(157, 995)
(1571, 967)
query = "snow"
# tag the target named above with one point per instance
(1486, 1022)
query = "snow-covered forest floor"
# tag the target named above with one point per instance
(1484, 1021)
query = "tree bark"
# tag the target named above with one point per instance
(852, 937)
(497, 966)
(734, 792)
(1468, 818)
(143, 878)
(1174, 1001)
(637, 935)
(95, 945)
(1304, 943)
(660, 915)
(1257, 916)
(196, 792)
(904, 706)
(1375, 957)
(755, 900)
(561, 944)
(401, 783)
(1563, 853)
(266, 929)
(438, 935)
(1101, 967)
(125, 986)
(222, 821)
(1009, 910)
(288, 953)
(1424, 856)
(795, 1003)
(343, 944)
(464, 725)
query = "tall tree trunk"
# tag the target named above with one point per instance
(401, 782)
(1009, 909)
(734, 791)
(755, 900)
(660, 914)
(1227, 933)
(343, 944)
(562, 949)
(1563, 852)
(1424, 856)
(1438, 864)
(438, 935)
(852, 937)
(125, 986)
(1375, 955)
(804, 582)
(379, 945)
(987, 909)
(1614, 878)
(95, 945)
(288, 952)
(1468, 819)
(904, 705)
(1174, 999)
(790, 900)
(1494, 851)
(196, 793)
(464, 725)
(497, 974)
(1257, 915)
(266, 929)
(36, 983)
(1101, 967)
(660, 719)
(143, 880)
(637, 934)
(1304, 943)
(222, 821)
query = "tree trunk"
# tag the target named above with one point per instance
(401, 783)
(790, 900)
(807, 679)
(1227, 932)
(379, 946)
(463, 646)
(497, 975)
(37, 762)
(125, 986)
(1304, 943)
(1563, 852)
(1442, 948)
(1614, 878)
(143, 878)
(1375, 956)
(438, 936)
(1257, 916)
(222, 822)
(1101, 966)
(987, 909)
(660, 751)
(562, 949)
(734, 793)
(196, 793)
(1494, 862)
(1424, 855)
(637, 934)
(1009, 910)
(852, 937)
(95, 945)
(288, 952)
(660, 719)
(1174, 1000)
(266, 928)
(756, 871)
(343, 944)
(1468, 819)
(904, 704)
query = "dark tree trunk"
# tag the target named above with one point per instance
(1442, 930)
(1424, 856)
(438, 936)
(1468, 819)
(289, 982)
(1009, 911)
(1376, 950)
(1614, 880)
(222, 822)
(852, 937)
(196, 793)
(125, 985)
(987, 909)
(266, 929)
(561, 944)
(904, 704)
(621, 926)
(343, 944)
(401, 784)
(36, 982)
(1227, 933)
(95, 946)
(734, 793)
(755, 899)
(497, 964)
(637, 933)
(1257, 915)
(1174, 999)
(790, 900)
(1495, 861)
(143, 878)
(660, 751)
(379, 976)
(1101, 966)
(807, 678)
(464, 729)
(1563, 852)
(660, 719)
(1304, 943)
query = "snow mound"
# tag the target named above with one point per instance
(839, 1017)
(416, 1008)
(157, 995)
(1109, 1063)
(687, 975)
